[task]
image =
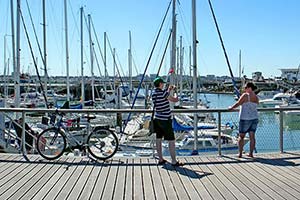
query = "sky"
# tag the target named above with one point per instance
(265, 31)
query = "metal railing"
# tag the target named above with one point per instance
(267, 118)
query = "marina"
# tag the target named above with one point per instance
(278, 129)
(83, 83)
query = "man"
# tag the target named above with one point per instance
(162, 120)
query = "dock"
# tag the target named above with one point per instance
(268, 176)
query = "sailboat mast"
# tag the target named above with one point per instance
(181, 68)
(17, 68)
(92, 58)
(195, 74)
(130, 66)
(240, 64)
(105, 67)
(190, 61)
(5, 69)
(81, 57)
(67, 51)
(4, 64)
(114, 68)
(173, 46)
(45, 48)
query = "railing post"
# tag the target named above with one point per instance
(2, 120)
(219, 133)
(23, 134)
(119, 105)
(281, 131)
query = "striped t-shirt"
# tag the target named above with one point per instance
(161, 103)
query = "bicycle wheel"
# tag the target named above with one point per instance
(102, 144)
(51, 143)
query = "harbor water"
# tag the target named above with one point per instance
(267, 135)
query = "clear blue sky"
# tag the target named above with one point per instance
(266, 31)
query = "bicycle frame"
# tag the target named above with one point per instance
(71, 139)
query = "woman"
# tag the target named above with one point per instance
(248, 117)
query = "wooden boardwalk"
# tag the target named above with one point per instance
(268, 176)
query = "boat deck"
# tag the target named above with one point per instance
(268, 176)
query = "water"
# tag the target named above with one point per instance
(267, 134)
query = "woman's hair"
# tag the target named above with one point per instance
(251, 85)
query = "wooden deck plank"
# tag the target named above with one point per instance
(281, 167)
(121, 180)
(209, 187)
(147, 178)
(224, 191)
(252, 177)
(77, 181)
(269, 176)
(71, 179)
(196, 177)
(14, 176)
(217, 190)
(268, 180)
(128, 190)
(4, 158)
(81, 181)
(224, 179)
(289, 169)
(28, 181)
(158, 186)
(186, 173)
(111, 181)
(177, 184)
(61, 188)
(14, 181)
(235, 178)
(52, 184)
(87, 191)
(231, 166)
(8, 163)
(138, 190)
(40, 180)
(167, 182)
(277, 179)
(101, 181)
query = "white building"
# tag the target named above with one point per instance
(290, 74)
(257, 76)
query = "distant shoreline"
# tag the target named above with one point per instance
(216, 92)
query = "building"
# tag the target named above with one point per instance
(290, 74)
(257, 76)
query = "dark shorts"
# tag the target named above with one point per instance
(164, 129)
(246, 126)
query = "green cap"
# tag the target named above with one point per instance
(158, 80)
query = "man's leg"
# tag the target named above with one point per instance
(172, 151)
(159, 149)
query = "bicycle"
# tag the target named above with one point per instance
(101, 143)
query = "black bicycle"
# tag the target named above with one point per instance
(102, 143)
